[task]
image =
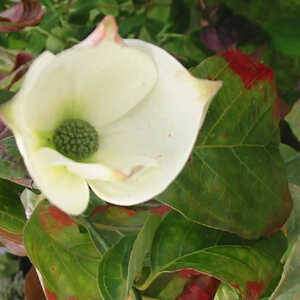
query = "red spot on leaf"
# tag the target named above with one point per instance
(200, 287)
(50, 295)
(98, 209)
(255, 289)
(60, 216)
(250, 70)
(129, 212)
(236, 286)
(20, 15)
(72, 298)
(161, 210)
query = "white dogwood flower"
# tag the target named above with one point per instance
(118, 116)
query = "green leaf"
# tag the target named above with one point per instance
(292, 161)
(245, 265)
(8, 266)
(160, 11)
(183, 47)
(12, 216)
(293, 119)
(142, 247)
(285, 33)
(226, 292)
(64, 254)
(291, 156)
(11, 162)
(113, 270)
(109, 7)
(289, 286)
(167, 286)
(5, 96)
(131, 24)
(235, 180)
(112, 223)
(123, 262)
(54, 44)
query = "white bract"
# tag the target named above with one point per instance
(120, 116)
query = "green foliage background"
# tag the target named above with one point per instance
(228, 200)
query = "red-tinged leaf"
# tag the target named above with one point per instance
(13, 242)
(20, 15)
(12, 217)
(19, 69)
(250, 70)
(112, 222)
(184, 247)
(117, 217)
(98, 209)
(255, 290)
(60, 217)
(161, 210)
(187, 273)
(33, 288)
(200, 287)
(63, 253)
(51, 295)
(237, 180)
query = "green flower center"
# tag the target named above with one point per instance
(76, 139)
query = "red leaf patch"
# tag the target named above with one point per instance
(250, 70)
(199, 286)
(255, 290)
